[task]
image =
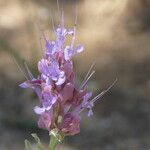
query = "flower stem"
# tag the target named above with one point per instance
(53, 142)
(56, 137)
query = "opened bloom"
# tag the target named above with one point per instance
(61, 102)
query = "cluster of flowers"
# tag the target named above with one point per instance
(60, 101)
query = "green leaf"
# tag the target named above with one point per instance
(27, 145)
(39, 145)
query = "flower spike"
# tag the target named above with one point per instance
(61, 102)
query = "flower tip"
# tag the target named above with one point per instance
(61, 81)
(39, 110)
(90, 113)
(24, 85)
(80, 48)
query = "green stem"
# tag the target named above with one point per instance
(53, 142)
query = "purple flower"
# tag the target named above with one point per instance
(67, 92)
(45, 121)
(70, 52)
(51, 70)
(51, 48)
(70, 124)
(34, 84)
(61, 102)
(31, 83)
(87, 103)
(61, 34)
(48, 100)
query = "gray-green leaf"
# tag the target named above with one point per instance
(27, 145)
(39, 145)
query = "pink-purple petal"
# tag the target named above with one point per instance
(45, 121)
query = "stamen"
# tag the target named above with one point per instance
(76, 15)
(74, 33)
(58, 9)
(19, 67)
(90, 69)
(88, 73)
(52, 21)
(103, 92)
(41, 46)
(85, 82)
(73, 38)
(80, 108)
(41, 38)
(62, 18)
(28, 70)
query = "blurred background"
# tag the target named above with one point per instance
(116, 34)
